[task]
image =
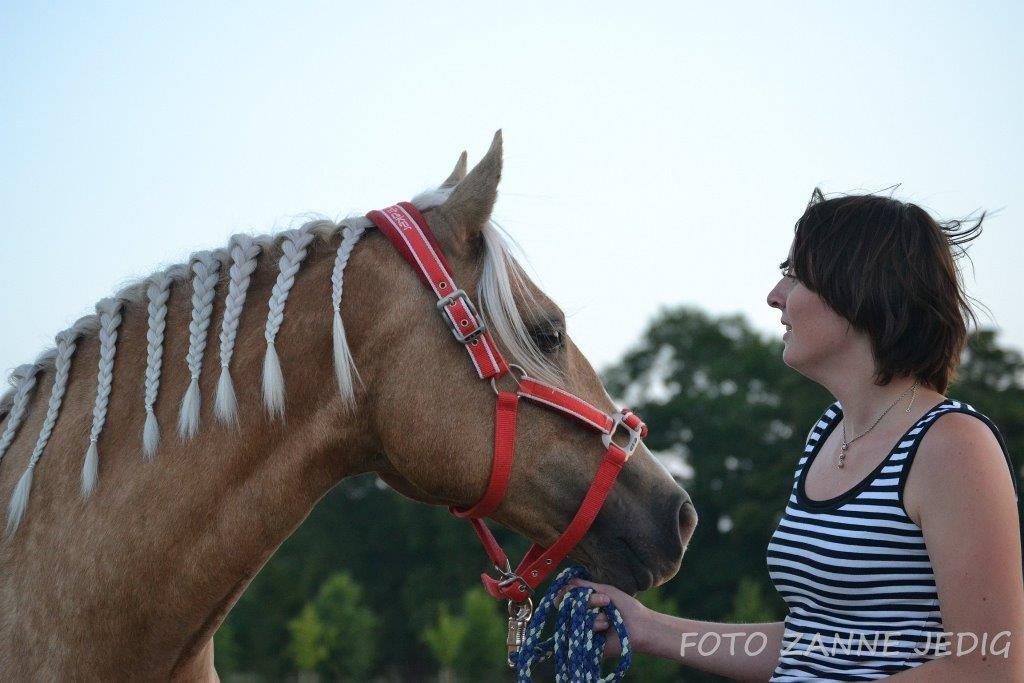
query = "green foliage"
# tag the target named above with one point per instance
(471, 643)
(227, 654)
(711, 389)
(446, 636)
(336, 634)
(751, 606)
(482, 656)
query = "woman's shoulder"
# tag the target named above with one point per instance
(961, 449)
(959, 427)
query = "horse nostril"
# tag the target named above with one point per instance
(687, 520)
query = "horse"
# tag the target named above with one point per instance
(150, 473)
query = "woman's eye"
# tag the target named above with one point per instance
(548, 339)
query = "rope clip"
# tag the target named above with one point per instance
(519, 614)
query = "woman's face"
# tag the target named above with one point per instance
(814, 333)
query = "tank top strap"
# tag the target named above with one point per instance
(913, 439)
(818, 430)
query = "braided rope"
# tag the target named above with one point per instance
(109, 311)
(576, 646)
(205, 268)
(25, 375)
(244, 251)
(294, 248)
(344, 365)
(157, 293)
(67, 341)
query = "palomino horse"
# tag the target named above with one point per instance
(150, 475)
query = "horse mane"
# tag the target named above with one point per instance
(502, 278)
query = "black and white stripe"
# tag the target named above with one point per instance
(854, 568)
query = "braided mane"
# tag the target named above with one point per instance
(501, 278)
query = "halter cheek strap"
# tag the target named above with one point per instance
(407, 230)
(405, 227)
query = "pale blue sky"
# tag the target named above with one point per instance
(656, 153)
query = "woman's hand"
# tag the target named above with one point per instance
(634, 615)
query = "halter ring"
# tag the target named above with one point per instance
(619, 420)
(522, 375)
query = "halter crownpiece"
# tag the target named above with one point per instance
(408, 231)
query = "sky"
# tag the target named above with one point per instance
(656, 154)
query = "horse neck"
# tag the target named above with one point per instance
(162, 550)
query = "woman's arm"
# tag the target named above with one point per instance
(742, 652)
(968, 513)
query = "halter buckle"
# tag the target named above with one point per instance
(460, 295)
(635, 435)
(507, 577)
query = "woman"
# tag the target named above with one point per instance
(875, 559)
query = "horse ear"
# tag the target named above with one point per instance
(471, 202)
(458, 173)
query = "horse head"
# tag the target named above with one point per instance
(434, 418)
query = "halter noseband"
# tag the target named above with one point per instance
(407, 230)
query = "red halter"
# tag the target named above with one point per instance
(408, 231)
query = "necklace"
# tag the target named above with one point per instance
(846, 443)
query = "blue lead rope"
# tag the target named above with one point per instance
(575, 644)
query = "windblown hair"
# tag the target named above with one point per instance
(501, 280)
(889, 268)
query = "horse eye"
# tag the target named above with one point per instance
(548, 339)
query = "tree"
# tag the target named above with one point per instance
(336, 634)
(482, 655)
(472, 643)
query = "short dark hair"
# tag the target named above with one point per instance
(889, 268)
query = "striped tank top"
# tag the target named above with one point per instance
(853, 569)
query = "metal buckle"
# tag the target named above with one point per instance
(508, 576)
(460, 294)
(618, 420)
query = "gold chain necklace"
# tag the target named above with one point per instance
(846, 444)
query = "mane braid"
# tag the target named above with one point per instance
(157, 293)
(205, 267)
(25, 375)
(294, 249)
(502, 282)
(110, 319)
(244, 251)
(344, 365)
(66, 344)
